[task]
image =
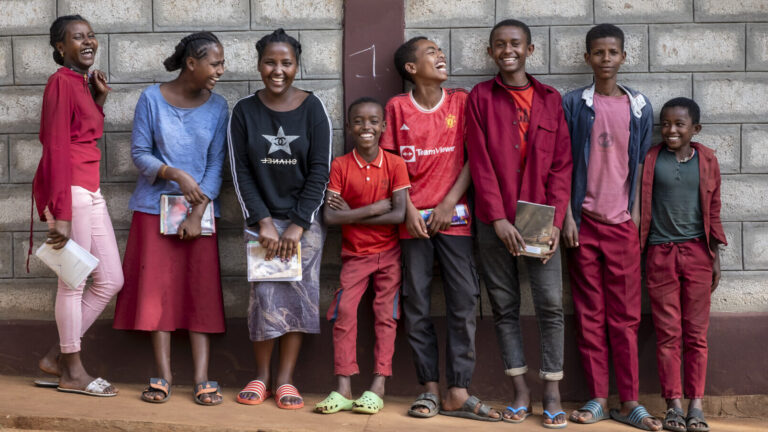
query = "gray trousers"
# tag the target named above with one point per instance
(461, 288)
(500, 273)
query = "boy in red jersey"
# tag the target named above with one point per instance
(518, 146)
(426, 128)
(366, 195)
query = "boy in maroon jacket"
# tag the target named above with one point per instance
(680, 222)
(519, 149)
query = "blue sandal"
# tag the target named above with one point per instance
(514, 411)
(593, 407)
(554, 425)
(634, 418)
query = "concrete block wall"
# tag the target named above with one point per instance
(712, 50)
(715, 51)
(135, 36)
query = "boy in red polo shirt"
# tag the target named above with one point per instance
(519, 149)
(366, 195)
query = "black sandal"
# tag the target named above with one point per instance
(695, 416)
(677, 416)
(429, 401)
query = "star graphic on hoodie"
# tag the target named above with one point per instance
(280, 141)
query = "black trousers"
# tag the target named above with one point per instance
(461, 289)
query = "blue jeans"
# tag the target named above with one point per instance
(500, 273)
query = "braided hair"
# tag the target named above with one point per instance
(278, 36)
(194, 45)
(59, 33)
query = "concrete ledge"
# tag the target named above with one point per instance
(22, 409)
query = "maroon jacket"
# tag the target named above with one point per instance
(494, 159)
(709, 194)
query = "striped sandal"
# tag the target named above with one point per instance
(257, 387)
(288, 390)
(634, 418)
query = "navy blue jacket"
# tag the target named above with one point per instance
(580, 116)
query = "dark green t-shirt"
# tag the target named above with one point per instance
(675, 208)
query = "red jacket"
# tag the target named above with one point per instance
(70, 124)
(494, 159)
(709, 194)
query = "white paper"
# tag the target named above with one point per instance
(72, 264)
(533, 249)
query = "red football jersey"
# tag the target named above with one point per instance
(432, 144)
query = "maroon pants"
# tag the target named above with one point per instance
(385, 268)
(679, 284)
(605, 282)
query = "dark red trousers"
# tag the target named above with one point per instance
(605, 283)
(679, 281)
(356, 270)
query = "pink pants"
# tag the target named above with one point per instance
(679, 280)
(77, 309)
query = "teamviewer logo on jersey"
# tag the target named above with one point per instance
(408, 153)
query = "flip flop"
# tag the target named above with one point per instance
(287, 390)
(206, 387)
(552, 417)
(468, 411)
(593, 407)
(45, 383)
(334, 403)
(368, 403)
(514, 411)
(255, 386)
(634, 418)
(676, 415)
(427, 400)
(96, 387)
(157, 384)
(695, 415)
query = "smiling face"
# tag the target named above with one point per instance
(430, 62)
(366, 123)
(207, 71)
(79, 46)
(677, 127)
(605, 57)
(278, 67)
(509, 49)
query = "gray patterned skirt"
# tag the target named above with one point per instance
(277, 308)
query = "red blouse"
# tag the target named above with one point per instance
(70, 124)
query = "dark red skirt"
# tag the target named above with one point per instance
(169, 283)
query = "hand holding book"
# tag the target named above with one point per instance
(535, 223)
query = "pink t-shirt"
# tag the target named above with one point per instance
(608, 185)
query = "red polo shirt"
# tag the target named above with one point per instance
(495, 154)
(361, 183)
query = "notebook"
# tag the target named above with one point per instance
(174, 209)
(72, 264)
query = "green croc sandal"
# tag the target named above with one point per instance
(368, 403)
(334, 403)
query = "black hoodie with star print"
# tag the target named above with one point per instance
(280, 160)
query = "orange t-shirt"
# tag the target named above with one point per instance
(523, 100)
(361, 183)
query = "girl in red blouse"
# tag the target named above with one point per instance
(68, 198)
